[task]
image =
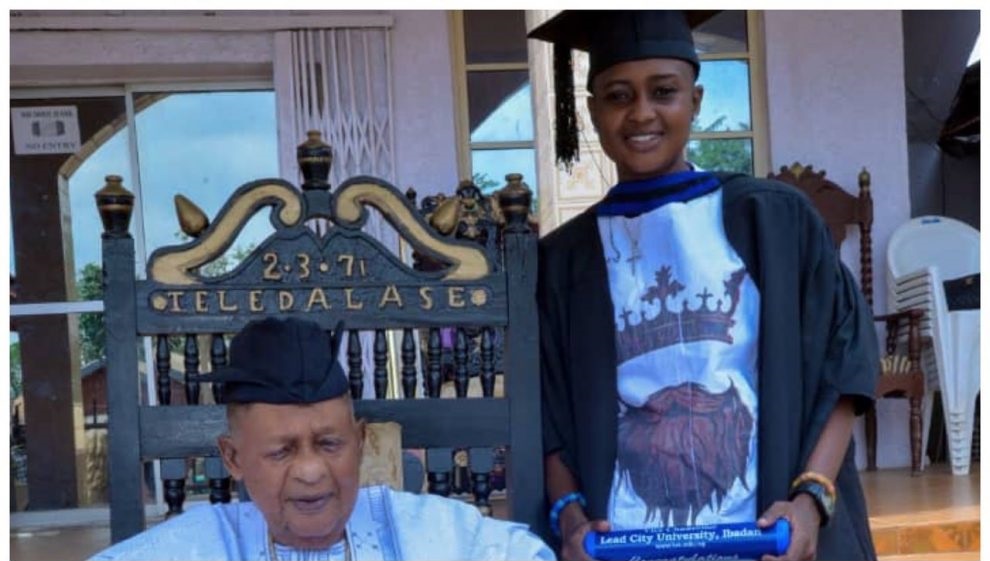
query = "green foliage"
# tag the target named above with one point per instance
(223, 264)
(92, 331)
(15, 370)
(485, 183)
(730, 154)
(227, 262)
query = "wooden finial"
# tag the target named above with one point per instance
(115, 204)
(797, 169)
(515, 199)
(315, 158)
(864, 180)
(192, 220)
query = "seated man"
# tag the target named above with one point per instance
(294, 442)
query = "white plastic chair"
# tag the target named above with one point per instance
(922, 254)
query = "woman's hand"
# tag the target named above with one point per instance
(805, 522)
(573, 534)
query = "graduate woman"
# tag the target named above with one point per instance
(704, 351)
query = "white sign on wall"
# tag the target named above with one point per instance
(45, 130)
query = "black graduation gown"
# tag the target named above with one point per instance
(817, 343)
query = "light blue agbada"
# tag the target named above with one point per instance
(385, 525)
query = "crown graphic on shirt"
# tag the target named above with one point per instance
(705, 322)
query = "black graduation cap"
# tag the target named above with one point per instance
(282, 361)
(611, 37)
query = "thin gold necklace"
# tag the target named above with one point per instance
(273, 553)
(635, 254)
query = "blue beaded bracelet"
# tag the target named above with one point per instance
(559, 506)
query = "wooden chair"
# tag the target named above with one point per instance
(342, 273)
(901, 374)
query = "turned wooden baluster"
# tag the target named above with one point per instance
(865, 236)
(408, 363)
(192, 370)
(218, 359)
(381, 359)
(460, 363)
(482, 462)
(354, 373)
(173, 470)
(487, 363)
(439, 463)
(219, 480)
(174, 479)
(163, 366)
(433, 363)
(216, 473)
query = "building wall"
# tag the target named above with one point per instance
(836, 100)
(39, 58)
(423, 101)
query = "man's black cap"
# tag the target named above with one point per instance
(611, 37)
(282, 361)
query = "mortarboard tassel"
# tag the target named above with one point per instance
(566, 134)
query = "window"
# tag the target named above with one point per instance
(203, 145)
(729, 134)
(493, 96)
(203, 142)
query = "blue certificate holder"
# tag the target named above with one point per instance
(716, 541)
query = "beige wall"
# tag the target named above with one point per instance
(836, 100)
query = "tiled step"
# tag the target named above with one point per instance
(958, 556)
(936, 514)
(924, 538)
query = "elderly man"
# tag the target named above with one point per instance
(294, 442)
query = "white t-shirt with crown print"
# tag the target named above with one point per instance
(687, 328)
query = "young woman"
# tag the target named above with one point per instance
(704, 351)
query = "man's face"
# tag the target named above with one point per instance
(642, 111)
(300, 464)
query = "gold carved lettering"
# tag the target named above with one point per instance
(455, 297)
(317, 295)
(348, 261)
(285, 300)
(174, 296)
(271, 270)
(256, 305)
(222, 295)
(303, 265)
(391, 294)
(426, 295)
(364, 269)
(351, 304)
(201, 301)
